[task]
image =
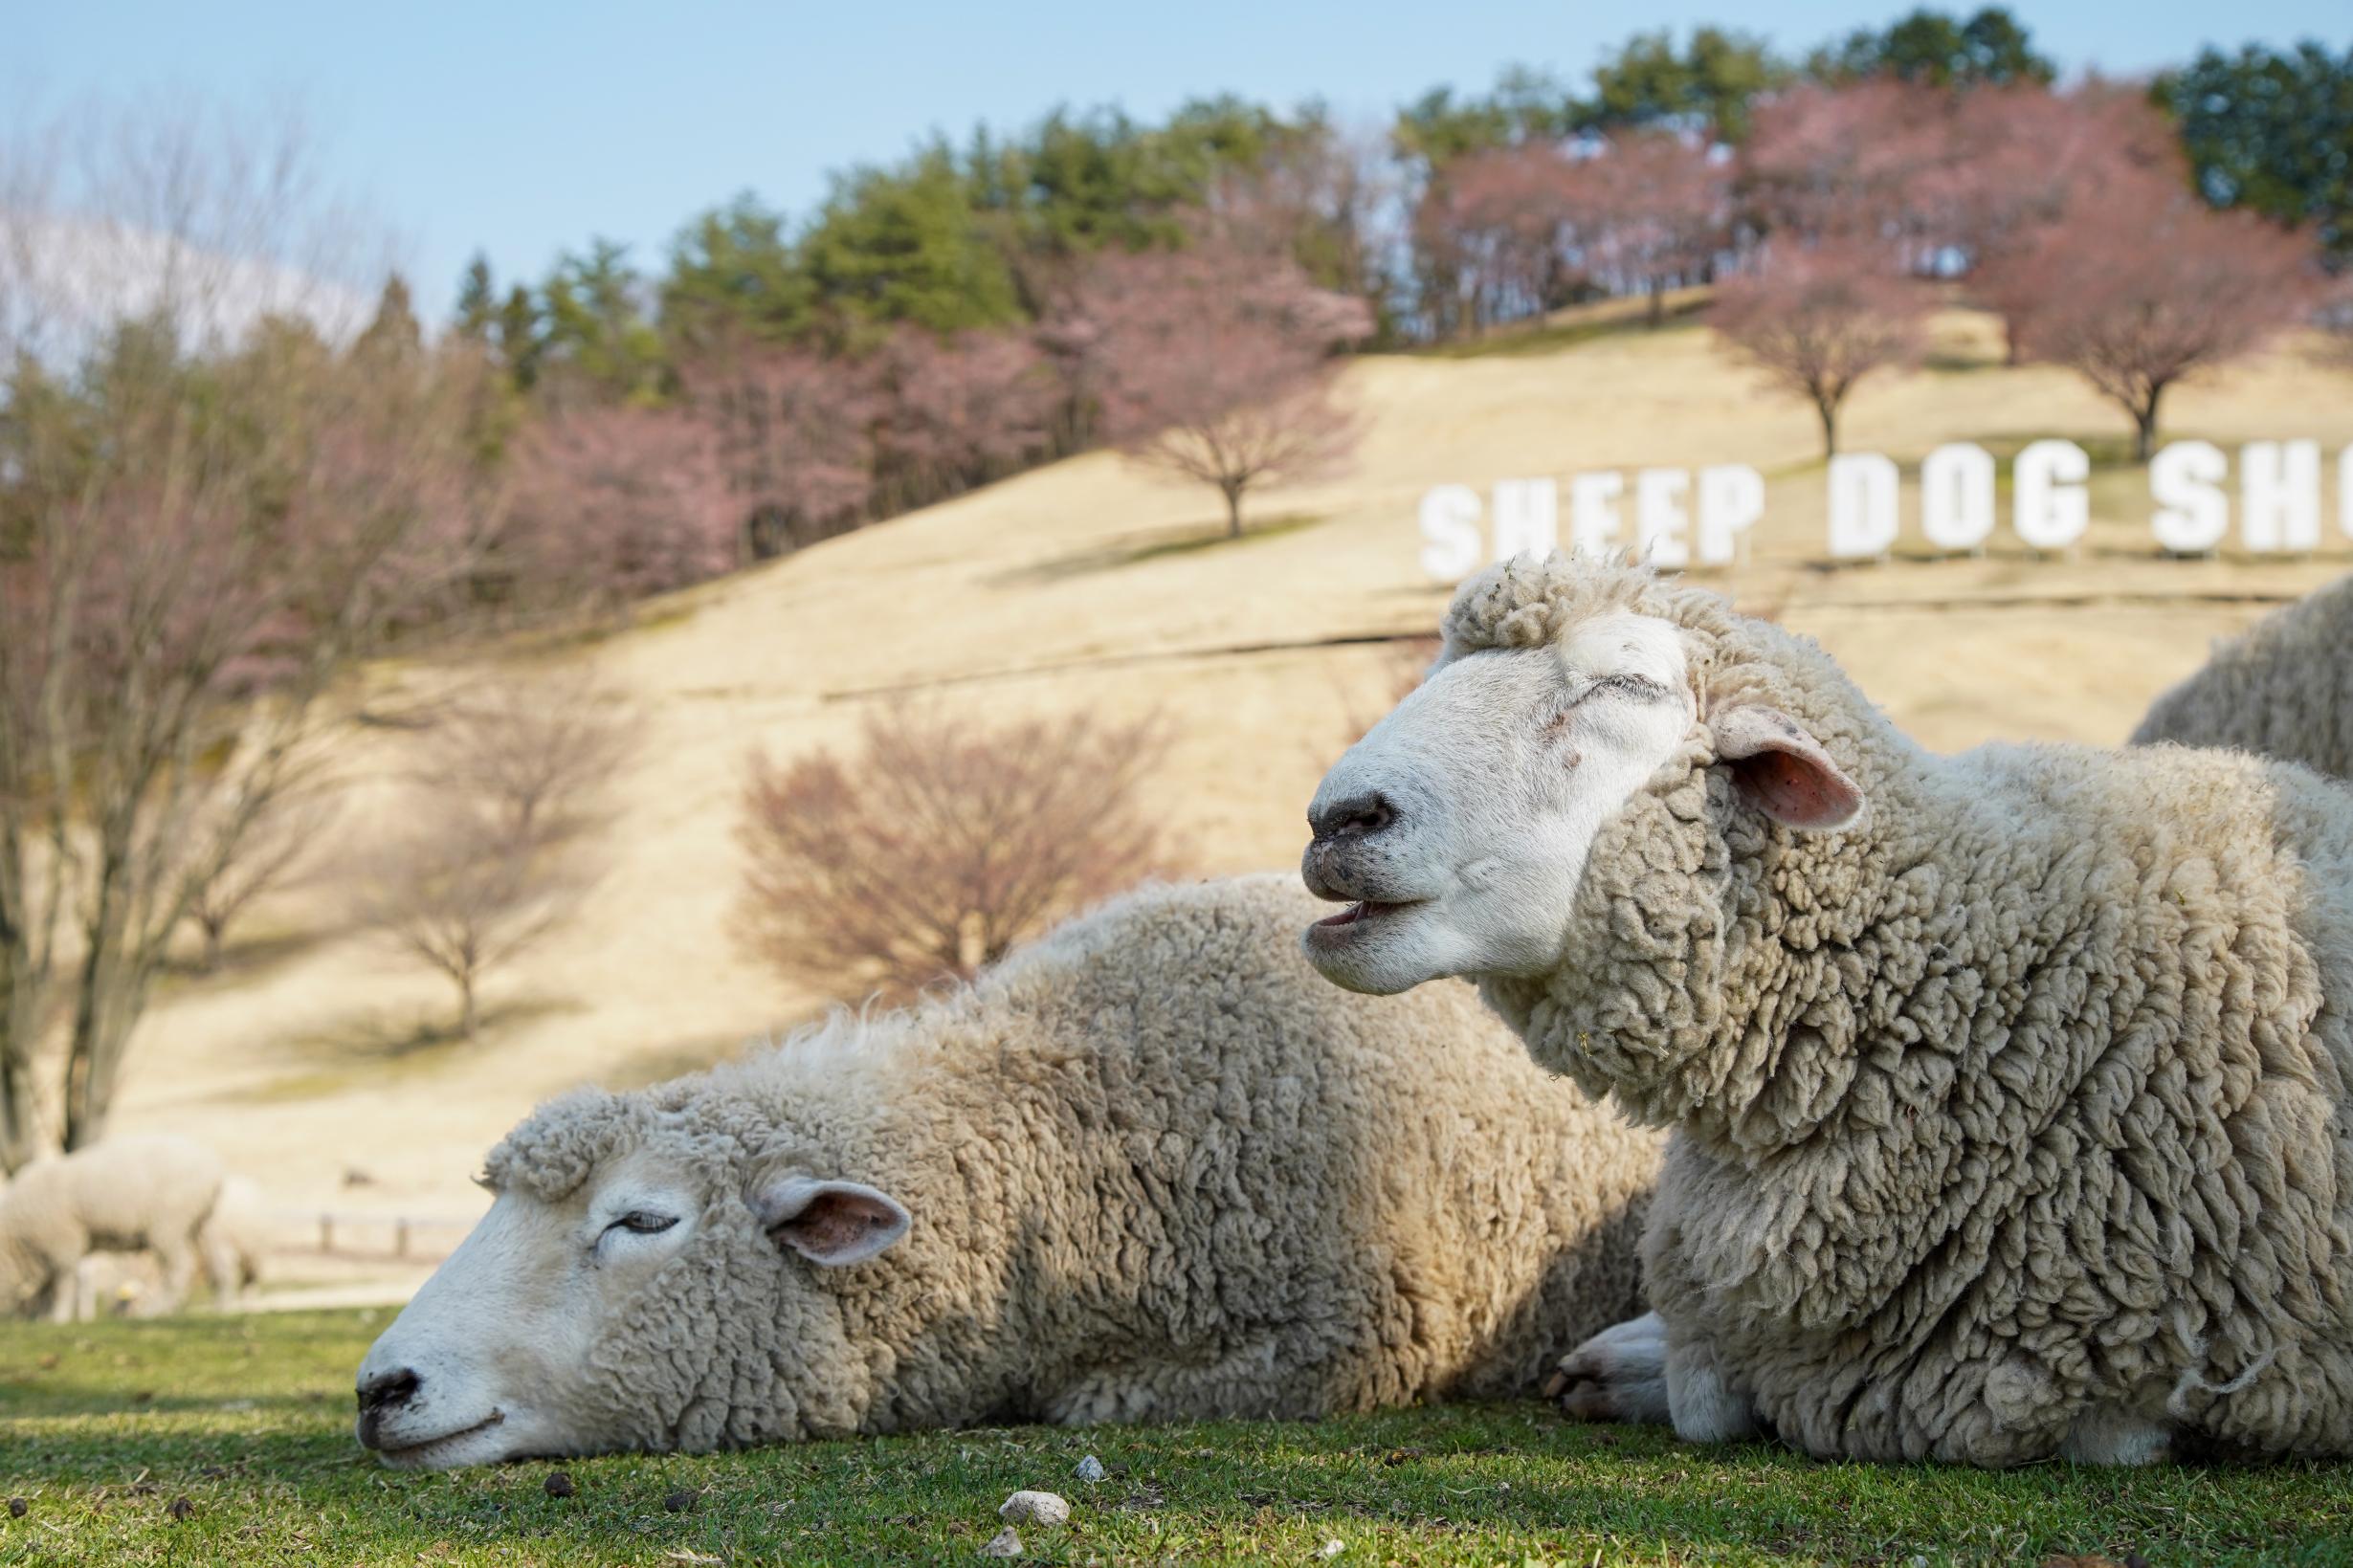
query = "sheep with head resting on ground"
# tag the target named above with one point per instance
(2283, 688)
(121, 1195)
(1149, 1168)
(2009, 1088)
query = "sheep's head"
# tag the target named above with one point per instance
(1458, 831)
(650, 1263)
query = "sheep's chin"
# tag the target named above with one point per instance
(486, 1442)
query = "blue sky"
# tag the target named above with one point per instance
(522, 128)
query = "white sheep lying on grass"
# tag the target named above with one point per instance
(2283, 688)
(1150, 1168)
(121, 1195)
(2013, 1091)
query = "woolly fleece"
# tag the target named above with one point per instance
(2283, 687)
(124, 1194)
(1157, 1169)
(2022, 1100)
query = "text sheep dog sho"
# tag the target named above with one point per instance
(1149, 1168)
(2009, 1088)
(2283, 687)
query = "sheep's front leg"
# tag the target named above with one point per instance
(1618, 1375)
(178, 1256)
(1703, 1402)
(65, 1294)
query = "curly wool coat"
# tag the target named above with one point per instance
(2023, 1102)
(2283, 687)
(1156, 1169)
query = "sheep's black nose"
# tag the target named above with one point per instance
(1360, 816)
(387, 1391)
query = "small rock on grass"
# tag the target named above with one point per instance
(1005, 1544)
(679, 1502)
(1331, 1549)
(558, 1484)
(1035, 1508)
(18, 1508)
(1090, 1469)
(181, 1508)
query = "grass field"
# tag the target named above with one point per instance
(227, 1439)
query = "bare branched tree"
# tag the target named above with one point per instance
(537, 757)
(939, 845)
(262, 855)
(208, 508)
(496, 828)
(460, 890)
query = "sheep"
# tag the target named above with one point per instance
(2283, 687)
(2008, 1090)
(1149, 1168)
(121, 1195)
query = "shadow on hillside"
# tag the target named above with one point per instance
(245, 961)
(1163, 544)
(385, 1047)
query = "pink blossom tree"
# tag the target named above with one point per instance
(610, 504)
(959, 411)
(2142, 286)
(794, 436)
(1217, 365)
(1493, 238)
(1651, 209)
(1819, 321)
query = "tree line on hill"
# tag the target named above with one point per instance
(945, 321)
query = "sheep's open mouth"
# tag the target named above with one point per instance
(1363, 911)
(432, 1449)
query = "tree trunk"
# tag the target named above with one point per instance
(2144, 428)
(1233, 510)
(469, 1015)
(213, 935)
(1829, 411)
(1658, 313)
(16, 1139)
(108, 995)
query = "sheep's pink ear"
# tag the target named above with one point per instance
(832, 1222)
(1782, 771)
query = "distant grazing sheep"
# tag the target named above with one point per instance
(2283, 687)
(122, 1195)
(1149, 1168)
(2013, 1091)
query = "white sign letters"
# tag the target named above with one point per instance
(1675, 517)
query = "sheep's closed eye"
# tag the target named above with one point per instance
(1640, 688)
(640, 1223)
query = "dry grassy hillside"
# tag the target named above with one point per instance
(1091, 584)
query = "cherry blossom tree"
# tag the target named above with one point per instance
(610, 504)
(937, 844)
(1493, 239)
(1818, 321)
(959, 411)
(2142, 286)
(794, 438)
(1651, 209)
(1217, 365)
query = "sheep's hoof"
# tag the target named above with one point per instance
(1618, 1375)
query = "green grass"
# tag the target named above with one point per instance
(104, 1429)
